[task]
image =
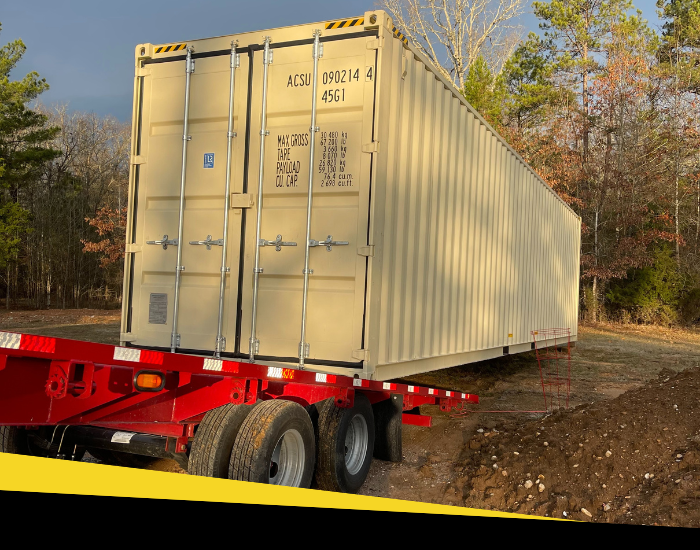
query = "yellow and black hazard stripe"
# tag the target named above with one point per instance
(398, 34)
(171, 48)
(345, 23)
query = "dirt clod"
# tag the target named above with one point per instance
(598, 484)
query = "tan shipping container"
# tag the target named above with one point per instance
(432, 243)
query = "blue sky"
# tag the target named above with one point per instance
(85, 48)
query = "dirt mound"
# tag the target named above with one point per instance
(634, 459)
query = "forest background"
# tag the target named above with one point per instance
(601, 105)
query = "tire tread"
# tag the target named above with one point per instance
(247, 454)
(207, 458)
(12, 440)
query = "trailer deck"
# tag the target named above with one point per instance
(154, 401)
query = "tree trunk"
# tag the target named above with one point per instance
(677, 205)
(595, 277)
(585, 113)
(594, 300)
(697, 218)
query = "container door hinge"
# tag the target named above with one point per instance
(254, 346)
(143, 71)
(133, 247)
(366, 251)
(138, 159)
(376, 43)
(241, 200)
(221, 343)
(371, 147)
(361, 354)
(127, 337)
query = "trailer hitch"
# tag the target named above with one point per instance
(70, 377)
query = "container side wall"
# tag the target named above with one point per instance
(477, 252)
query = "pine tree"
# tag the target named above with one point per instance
(483, 91)
(24, 135)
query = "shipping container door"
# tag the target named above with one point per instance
(159, 198)
(341, 191)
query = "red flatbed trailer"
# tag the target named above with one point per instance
(59, 397)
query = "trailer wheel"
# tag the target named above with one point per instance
(16, 440)
(275, 445)
(345, 445)
(13, 440)
(211, 449)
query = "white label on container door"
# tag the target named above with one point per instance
(122, 437)
(158, 309)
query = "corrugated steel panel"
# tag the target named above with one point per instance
(478, 251)
(456, 248)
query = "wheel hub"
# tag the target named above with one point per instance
(288, 459)
(356, 440)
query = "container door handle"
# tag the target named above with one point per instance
(278, 243)
(209, 243)
(165, 242)
(329, 243)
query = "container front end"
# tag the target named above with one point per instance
(220, 208)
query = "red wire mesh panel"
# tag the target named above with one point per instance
(553, 351)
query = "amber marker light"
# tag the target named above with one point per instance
(146, 380)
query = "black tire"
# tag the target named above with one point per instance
(342, 464)
(13, 440)
(275, 427)
(211, 449)
(16, 440)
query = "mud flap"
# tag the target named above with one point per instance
(387, 422)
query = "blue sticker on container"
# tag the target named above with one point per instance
(208, 160)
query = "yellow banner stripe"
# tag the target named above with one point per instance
(345, 23)
(170, 48)
(30, 474)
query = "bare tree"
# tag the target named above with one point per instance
(454, 33)
(89, 175)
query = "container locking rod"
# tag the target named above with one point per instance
(254, 344)
(317, 53)
(189, 69)
(230, 134)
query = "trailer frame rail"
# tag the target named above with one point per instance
(56, 381)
